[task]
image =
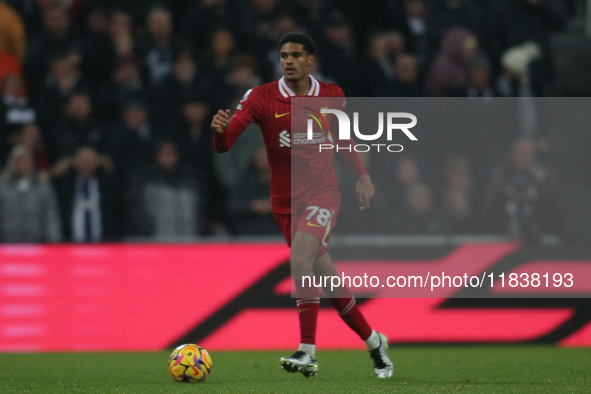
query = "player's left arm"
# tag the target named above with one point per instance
(364, 189)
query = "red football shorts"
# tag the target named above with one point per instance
(317, 219)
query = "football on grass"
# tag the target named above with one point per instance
(189, 363)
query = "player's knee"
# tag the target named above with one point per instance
(301, 267)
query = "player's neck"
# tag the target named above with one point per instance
(300, 87)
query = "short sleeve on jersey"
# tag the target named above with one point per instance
(248, 109)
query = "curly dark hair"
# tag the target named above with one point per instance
(299, 38)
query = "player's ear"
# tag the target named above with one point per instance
(311, 59)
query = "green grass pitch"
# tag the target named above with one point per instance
(419, 369)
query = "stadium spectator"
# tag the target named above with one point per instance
(449, 71)
(194, 142)
(57, 38)
(15, 107)
(13, 37)
(412, 24)
(86, 193)
(258, 18)
(228, 170)
(457, 216)
(443, 15)
(458, 175)
(315, 72)
(338, 52)
(194, 137)
(522, 199)
(30, 136)
(407, 173)
(376, 220)
(378, 68)
(188, 79)
(121, 34)
(221, 51)
(28, 206)
(168, 198)
(33, 12)
(524, 21)
(98, 46)
(396, 44)
(458, 197)
(258, 22)
(131, 144)
(125, 85)
(251, 200)
(420, 216)
(228, 166)
(406, 83)
(479, 79)
(281, 26)
(314, 14)
(138, 9)
(240, 79)
(160, 48)
(78, 128)
(487, 143)
(52, 94)
(395, 178)
(204, 18)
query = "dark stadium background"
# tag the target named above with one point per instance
(105, 143)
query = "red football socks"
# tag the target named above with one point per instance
(348, 310)
(308, 314)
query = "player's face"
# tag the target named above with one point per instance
(295, 61)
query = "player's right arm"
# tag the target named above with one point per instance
(226, 129)
(225, 132)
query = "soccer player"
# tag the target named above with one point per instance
(305, 221)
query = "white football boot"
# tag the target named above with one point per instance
(382, 365)
(300, 362)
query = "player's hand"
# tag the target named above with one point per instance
(364, 191)
(221, 121)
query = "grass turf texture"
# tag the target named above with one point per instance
(464, 369)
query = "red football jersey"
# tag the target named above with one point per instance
(269, 106)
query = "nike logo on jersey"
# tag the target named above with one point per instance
(280, 115)
(284, 141)
(313, 225)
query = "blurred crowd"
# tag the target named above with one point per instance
(105, 110)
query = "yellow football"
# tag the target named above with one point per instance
(189, 363)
